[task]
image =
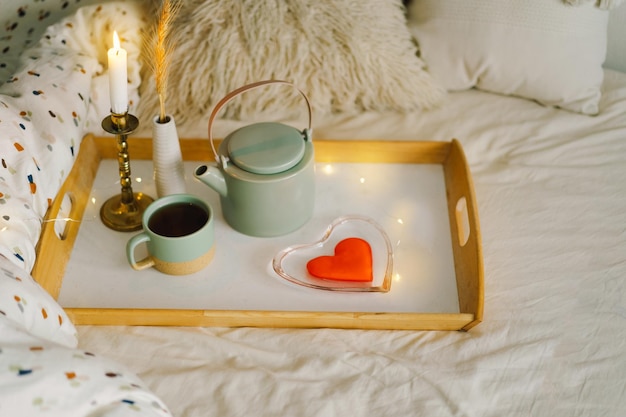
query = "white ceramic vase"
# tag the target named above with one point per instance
(169, 171)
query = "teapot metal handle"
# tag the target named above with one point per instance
(240, 90)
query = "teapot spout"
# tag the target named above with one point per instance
(213, 177)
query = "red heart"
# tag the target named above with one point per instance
(352, 262)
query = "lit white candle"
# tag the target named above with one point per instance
(118, 79)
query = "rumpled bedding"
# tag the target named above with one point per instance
(59, 93)
(45, 109)
(551, 193)
(602, 4)
(41, 377)
(550, 186)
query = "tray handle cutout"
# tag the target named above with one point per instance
(64, 219)
(462, 221)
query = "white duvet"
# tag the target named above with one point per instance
(551, 191)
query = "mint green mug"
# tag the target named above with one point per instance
(178, 231)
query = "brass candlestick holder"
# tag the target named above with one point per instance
(123, 212)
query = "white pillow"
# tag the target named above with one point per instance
(544, 50)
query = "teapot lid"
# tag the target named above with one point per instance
(266, 148)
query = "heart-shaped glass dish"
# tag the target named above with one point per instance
(290, 263)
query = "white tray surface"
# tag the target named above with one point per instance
(407, 200)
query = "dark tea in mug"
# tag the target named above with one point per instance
(178, 219)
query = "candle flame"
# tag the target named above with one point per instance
(116, 41)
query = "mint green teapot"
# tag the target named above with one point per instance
(264, 175)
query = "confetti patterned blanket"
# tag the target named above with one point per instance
(46, 107)
(41, 370)
(552, 203)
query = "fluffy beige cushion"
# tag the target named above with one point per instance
(347, 56)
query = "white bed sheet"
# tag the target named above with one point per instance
(551, 191)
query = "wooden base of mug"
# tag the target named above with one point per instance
(184, 268)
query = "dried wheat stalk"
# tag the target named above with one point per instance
(161, 49)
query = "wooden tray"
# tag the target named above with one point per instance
(55, 246)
